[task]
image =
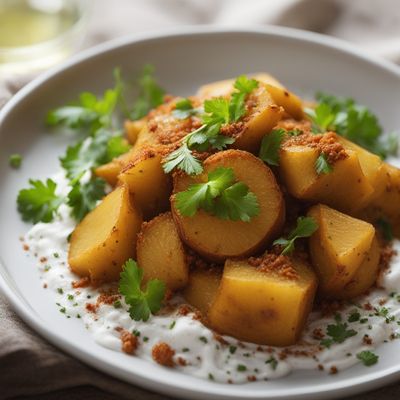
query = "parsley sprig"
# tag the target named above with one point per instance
(337, 333)
(305, 227)
(217, 112)
(221, 196)
(355, 122)
(141, 303)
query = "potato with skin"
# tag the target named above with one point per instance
(160, 252)
(264, 307)
(105, 238)
(148, 184)
(345, 188)
(202, 288)
(338, 250)
(217, 239)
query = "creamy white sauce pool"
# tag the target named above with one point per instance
(205, 356)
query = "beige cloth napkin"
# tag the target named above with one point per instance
(32, 368)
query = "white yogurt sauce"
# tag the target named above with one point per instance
(205, 356)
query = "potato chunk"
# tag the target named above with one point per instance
(345, 188)
(338, 249)
(161, 254)
(148, 184)
(105, 238)
(263, 306)
(133, 129)
(202, 288)
(217, 239)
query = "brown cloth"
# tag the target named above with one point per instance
(30, 368)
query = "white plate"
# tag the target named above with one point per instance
(184, 59)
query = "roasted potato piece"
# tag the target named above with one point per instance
(263, 306)
(148, 184)
(105, 238)
(345, 188)
(161, 254)
(280, 95)
(202, 288)
(133, 129)
(338, 248)
(218, 239)
(111, 170)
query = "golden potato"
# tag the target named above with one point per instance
(202, 288)
(265, 305)
(218, 239)
(345, 188)
(338, 248)
(160, 252)
(147, 183)
(133, 129)
(111, 170)
(105, 238)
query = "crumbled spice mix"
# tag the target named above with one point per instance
(277, 264)
(163, 354)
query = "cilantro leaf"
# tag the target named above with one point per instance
(150, 95)
(141, 303)
(217, 111)
(270, 146)
(83, 197)
(39, 203)
(219, 196)
(245, 85)
(305, 227)
(89, 112)
(368, 358)
(116, 146)
(183, 159)
(338, 333)
(386, 229)
(184, 109)
(237, 102)
(15, 161)
(322, 165)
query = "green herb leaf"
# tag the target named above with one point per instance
(217, 111)
(322, 165)
(237, 107)
(117, 146)
(84, 197)
(15, 161)
(338, 333)
(270, 146)
(368, 358)
(183, 159)
(39, 203)
(150, 96)
(141, 303)
(305, 227)
(219, 196)
(184, 109)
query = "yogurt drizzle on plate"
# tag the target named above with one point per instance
(198, 351)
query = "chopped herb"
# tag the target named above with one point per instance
(63, 310)
(384, 313)
(338, 333)
(60, 290)
(47, 268)
(273, 362)
(354, 316)
(232, 349)
(141, 303)
(219, 196)
(363, 320)
(241, 368)
(203, 339)
(117, 304)
(185, 350)
(322, 165)
(56, 255)
(40, 202)
(210, 376)
(150, 95)
(15, 161)
(172, 325)
(78, 316)
(184, 109)
(368, 358)
(145, 339)
(305, 227)
(136, 332)
(270, 146)
(70, 297)
(386, 229)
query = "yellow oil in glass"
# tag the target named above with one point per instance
(24, 22)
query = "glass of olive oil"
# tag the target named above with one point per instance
(36, 34)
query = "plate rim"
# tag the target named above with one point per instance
(348, 386)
